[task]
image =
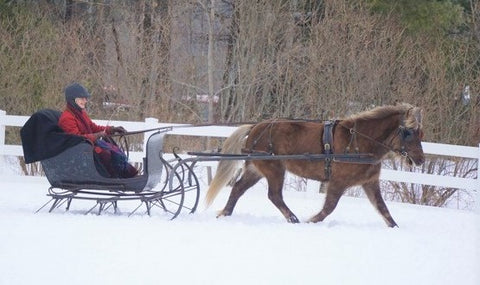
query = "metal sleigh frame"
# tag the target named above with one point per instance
(73, 176)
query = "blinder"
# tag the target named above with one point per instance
(406, 134)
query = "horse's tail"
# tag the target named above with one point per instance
(226, 169)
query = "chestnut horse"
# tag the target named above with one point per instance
(376, 132)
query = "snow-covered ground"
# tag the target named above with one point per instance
(254, 246)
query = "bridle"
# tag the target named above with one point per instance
(405, 134)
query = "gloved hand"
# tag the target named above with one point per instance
(119, 130)
(100, 135)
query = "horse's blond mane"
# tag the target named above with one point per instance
(410, 121)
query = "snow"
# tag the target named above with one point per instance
(254, 246)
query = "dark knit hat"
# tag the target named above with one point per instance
(73, 91)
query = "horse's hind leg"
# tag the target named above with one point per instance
(274, 172)
(249, 178)
(372, 189)
(334, 193)
(275, 178)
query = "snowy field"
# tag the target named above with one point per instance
(254, 246)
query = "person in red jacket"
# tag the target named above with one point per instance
(75, 120)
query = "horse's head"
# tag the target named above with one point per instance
(408, 141)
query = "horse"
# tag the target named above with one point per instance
(376, 132)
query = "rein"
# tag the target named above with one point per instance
(352, 131)
(123, 142)
(169, 128)
(165, 129)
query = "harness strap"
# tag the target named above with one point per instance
(268, 128)
(328, 146)
(353, 140)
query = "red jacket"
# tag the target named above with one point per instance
(77, 122)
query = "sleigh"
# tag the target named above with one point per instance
(69, 165)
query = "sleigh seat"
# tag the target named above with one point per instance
(75, 168)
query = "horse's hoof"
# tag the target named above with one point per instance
(391, 223)
(223, 213)
(293, 219)
(314, 220)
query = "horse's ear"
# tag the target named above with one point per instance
(418, 114)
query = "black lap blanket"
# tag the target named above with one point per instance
(42, 138)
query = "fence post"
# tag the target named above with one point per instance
(150, 123)
(3, 119)
(477, 198)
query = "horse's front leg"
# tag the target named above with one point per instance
(372, 189)
(334, 192)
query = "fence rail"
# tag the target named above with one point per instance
(472, 184)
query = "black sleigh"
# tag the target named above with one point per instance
(69, 165)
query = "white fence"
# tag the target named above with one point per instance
(472, 184)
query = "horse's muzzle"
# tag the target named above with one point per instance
(415, 160)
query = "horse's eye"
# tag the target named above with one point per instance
(407, 134)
